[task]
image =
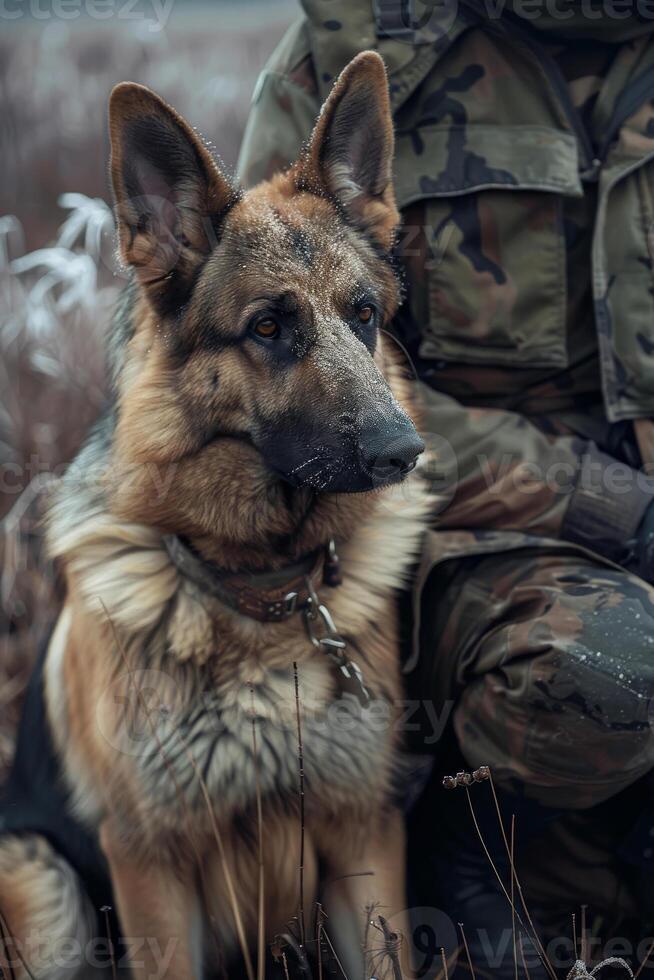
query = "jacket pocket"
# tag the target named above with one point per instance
(495, 276)
(624, 287)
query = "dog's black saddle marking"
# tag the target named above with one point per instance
(36, 800)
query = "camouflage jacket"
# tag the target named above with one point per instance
(529, 398)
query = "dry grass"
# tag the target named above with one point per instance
(55, 77)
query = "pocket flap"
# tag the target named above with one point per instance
(445, 161)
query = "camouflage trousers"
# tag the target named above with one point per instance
(544, 661)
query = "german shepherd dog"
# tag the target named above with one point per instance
(210, 742)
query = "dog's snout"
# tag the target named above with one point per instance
(390, 451)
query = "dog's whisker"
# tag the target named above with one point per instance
(307, 462)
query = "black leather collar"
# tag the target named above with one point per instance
(267, 596)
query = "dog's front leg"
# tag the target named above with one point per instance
(159, 914)
(360, 890)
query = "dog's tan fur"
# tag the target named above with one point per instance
(136, 633)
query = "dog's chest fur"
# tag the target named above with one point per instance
(204, 688)
(242, 732)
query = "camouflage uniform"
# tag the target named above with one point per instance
(525, 176)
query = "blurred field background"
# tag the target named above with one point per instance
(58, 272)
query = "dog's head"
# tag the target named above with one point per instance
(264, 309)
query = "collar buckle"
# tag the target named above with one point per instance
(290, 603)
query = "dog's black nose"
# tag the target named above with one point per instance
(390, 452)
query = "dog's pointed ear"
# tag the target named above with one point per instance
(350, 154)
(170, 195)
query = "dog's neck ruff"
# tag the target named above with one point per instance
(124, 569)
(268, 596)
(275, 596)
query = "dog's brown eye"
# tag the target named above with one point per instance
(268, 329)
(366, 313)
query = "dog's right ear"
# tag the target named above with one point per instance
(170, 195)
(350, 153)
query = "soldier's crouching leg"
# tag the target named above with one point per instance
(557, 686)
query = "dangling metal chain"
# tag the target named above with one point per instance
(324, 636)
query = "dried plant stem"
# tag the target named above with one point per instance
(584, 950)
(534, 935)
(391, 946)
(448, 964)
(334, 953)
(524, 961)
(644, 961)
(300, 759)
(574, 935)
(319, 918)
(110, 942)
(370, 910)
(544, 959)
(446, 972)
(285, 965)
(515, 949)
(261, 932)
(229, 881)
(300, 951)
(5, 934)
(468, 957)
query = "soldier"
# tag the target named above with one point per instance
(524, 172)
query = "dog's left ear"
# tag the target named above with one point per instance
(170, 194)
(350, 154)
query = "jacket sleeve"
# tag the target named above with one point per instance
(492, 469)
(496, 470)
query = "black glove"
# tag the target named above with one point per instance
(641, 557)
(616, 521)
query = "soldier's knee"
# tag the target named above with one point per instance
(572, 721)
(592, 686)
